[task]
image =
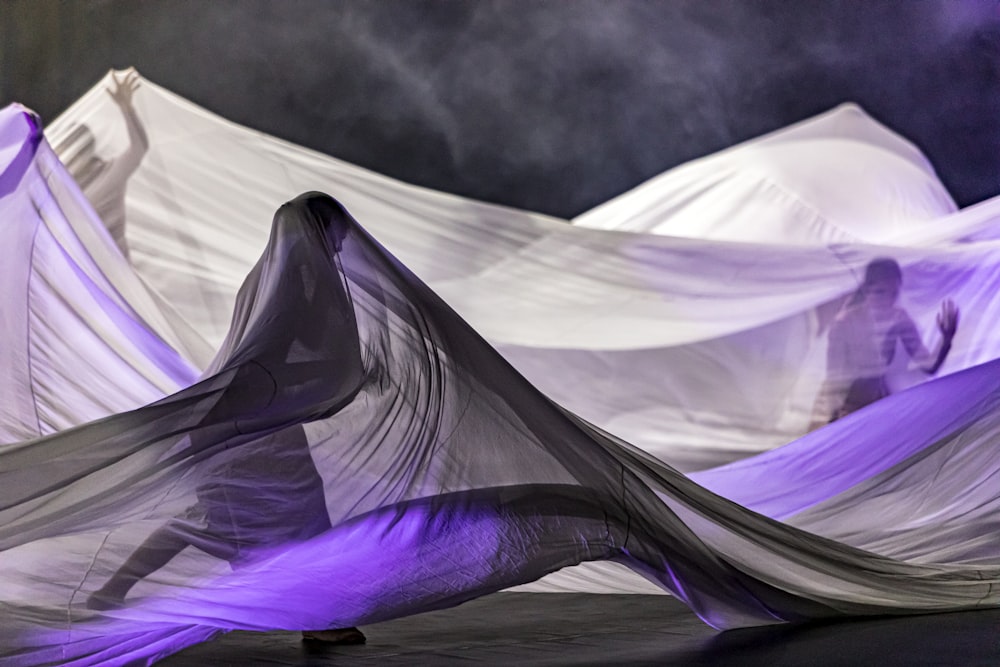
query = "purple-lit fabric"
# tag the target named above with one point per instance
(593, 316)
(356, 452)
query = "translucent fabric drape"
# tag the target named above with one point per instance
(356, 451)
(593, 317)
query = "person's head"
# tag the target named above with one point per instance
(883, 280)
(331, 218)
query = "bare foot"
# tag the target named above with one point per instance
(342, 636)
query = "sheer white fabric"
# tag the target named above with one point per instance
(593, 318)
(444, 474)
(840, 177)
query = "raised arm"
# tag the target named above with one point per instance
(947, 323)
(121, 92)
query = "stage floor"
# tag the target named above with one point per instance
(582, 629)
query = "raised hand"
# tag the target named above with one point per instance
(124, 88)
(947, 319)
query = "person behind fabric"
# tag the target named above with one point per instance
(104, 181)
(863, 341)
(266, 491)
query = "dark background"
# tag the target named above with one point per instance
(553, 105)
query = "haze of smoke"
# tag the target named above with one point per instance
(553, 106)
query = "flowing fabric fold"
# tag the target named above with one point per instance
(696, 350)
(356, 451)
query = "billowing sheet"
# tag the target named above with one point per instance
(700, 353)
(837, 177)
(356, 451)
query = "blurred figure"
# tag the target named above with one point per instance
(104, 181)
(863, 341)
(261, 488)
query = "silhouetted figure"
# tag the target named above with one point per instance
(863, 341)
(263, 489)
(104, 181)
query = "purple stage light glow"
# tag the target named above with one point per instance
(358, 452)
(20, 134)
